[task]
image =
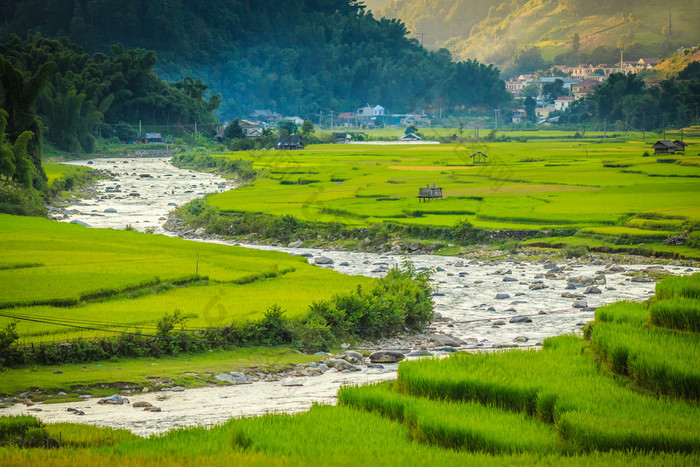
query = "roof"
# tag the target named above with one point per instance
(289, 140)
(664, 143)
(680, 143)
(565, 98)
(348, 115)
(411, 137)
(153, 135)
(586, 82)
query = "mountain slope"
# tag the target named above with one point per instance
(492, 30)
(294, 56)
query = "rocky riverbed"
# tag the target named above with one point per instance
(481, 304)
(136, 191)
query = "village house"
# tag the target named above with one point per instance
(346, 119)
(562, 103)
(411, 137)
(266, 116)
(298, 121)
(518, 115)
(665, 146)
(251, 129)
(289, 142)
(369, 116)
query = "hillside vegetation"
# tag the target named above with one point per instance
(493, 30)
(293, 56)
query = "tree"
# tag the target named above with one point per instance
(529, 106)
(411, 129)
(20, 95)
(575, 42)
(553, 90)
(288, 126)
(307, 129)
(125, 132)
(531, 90)
(528, 59)
(234, 130)
(15, 165)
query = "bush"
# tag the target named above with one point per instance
(575, 251)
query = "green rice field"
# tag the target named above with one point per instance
(607, 189)
(562, 405)
(61, 273)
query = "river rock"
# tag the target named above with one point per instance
(521, 319)
(386, 356)
(296, 244)
(499, 322)
(446, 348)
(510, 279)
(340, 364)
(443, 340)
(323, 260)
(592, 289)
(200, 231)
(77, 222)
(502, 296)
(116, 399)
(353, 357)
(521, 339)
(141, 404)
(110, 211)
(579, 304)
(640, 278)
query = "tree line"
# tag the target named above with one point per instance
(52, 91)
(294, 56)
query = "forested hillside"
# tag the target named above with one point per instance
(293, 56)
(494, 31)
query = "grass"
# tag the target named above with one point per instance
(55, 170)
(556, 182)
(556, 406)
(657, 345)
(91, 278)
(99, 378)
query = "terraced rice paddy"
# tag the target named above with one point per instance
(606, 188)
(84, 278)
(559, 405)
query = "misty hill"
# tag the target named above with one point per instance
(293, 56)
(493, 30)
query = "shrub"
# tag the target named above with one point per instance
(575, 251)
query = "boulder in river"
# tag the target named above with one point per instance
(340, 364)
(502, 296)
(323, 260)
(295, 244)
(353, 357)
(116, 399)
(443, 340)
(386, 356)
(521, 319)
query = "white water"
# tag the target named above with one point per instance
(464, 293)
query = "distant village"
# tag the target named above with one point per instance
(573, 83)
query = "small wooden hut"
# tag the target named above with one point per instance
(429, 192)
(479, 158)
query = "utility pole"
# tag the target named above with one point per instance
(495, 117)
(332, 121)
(139, 127)
(422, 35)
(195, 128)
(605, 128)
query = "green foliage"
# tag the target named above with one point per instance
(24, 432)
(87, 91)
(680, 313)
(294, 57)
(575, 251)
